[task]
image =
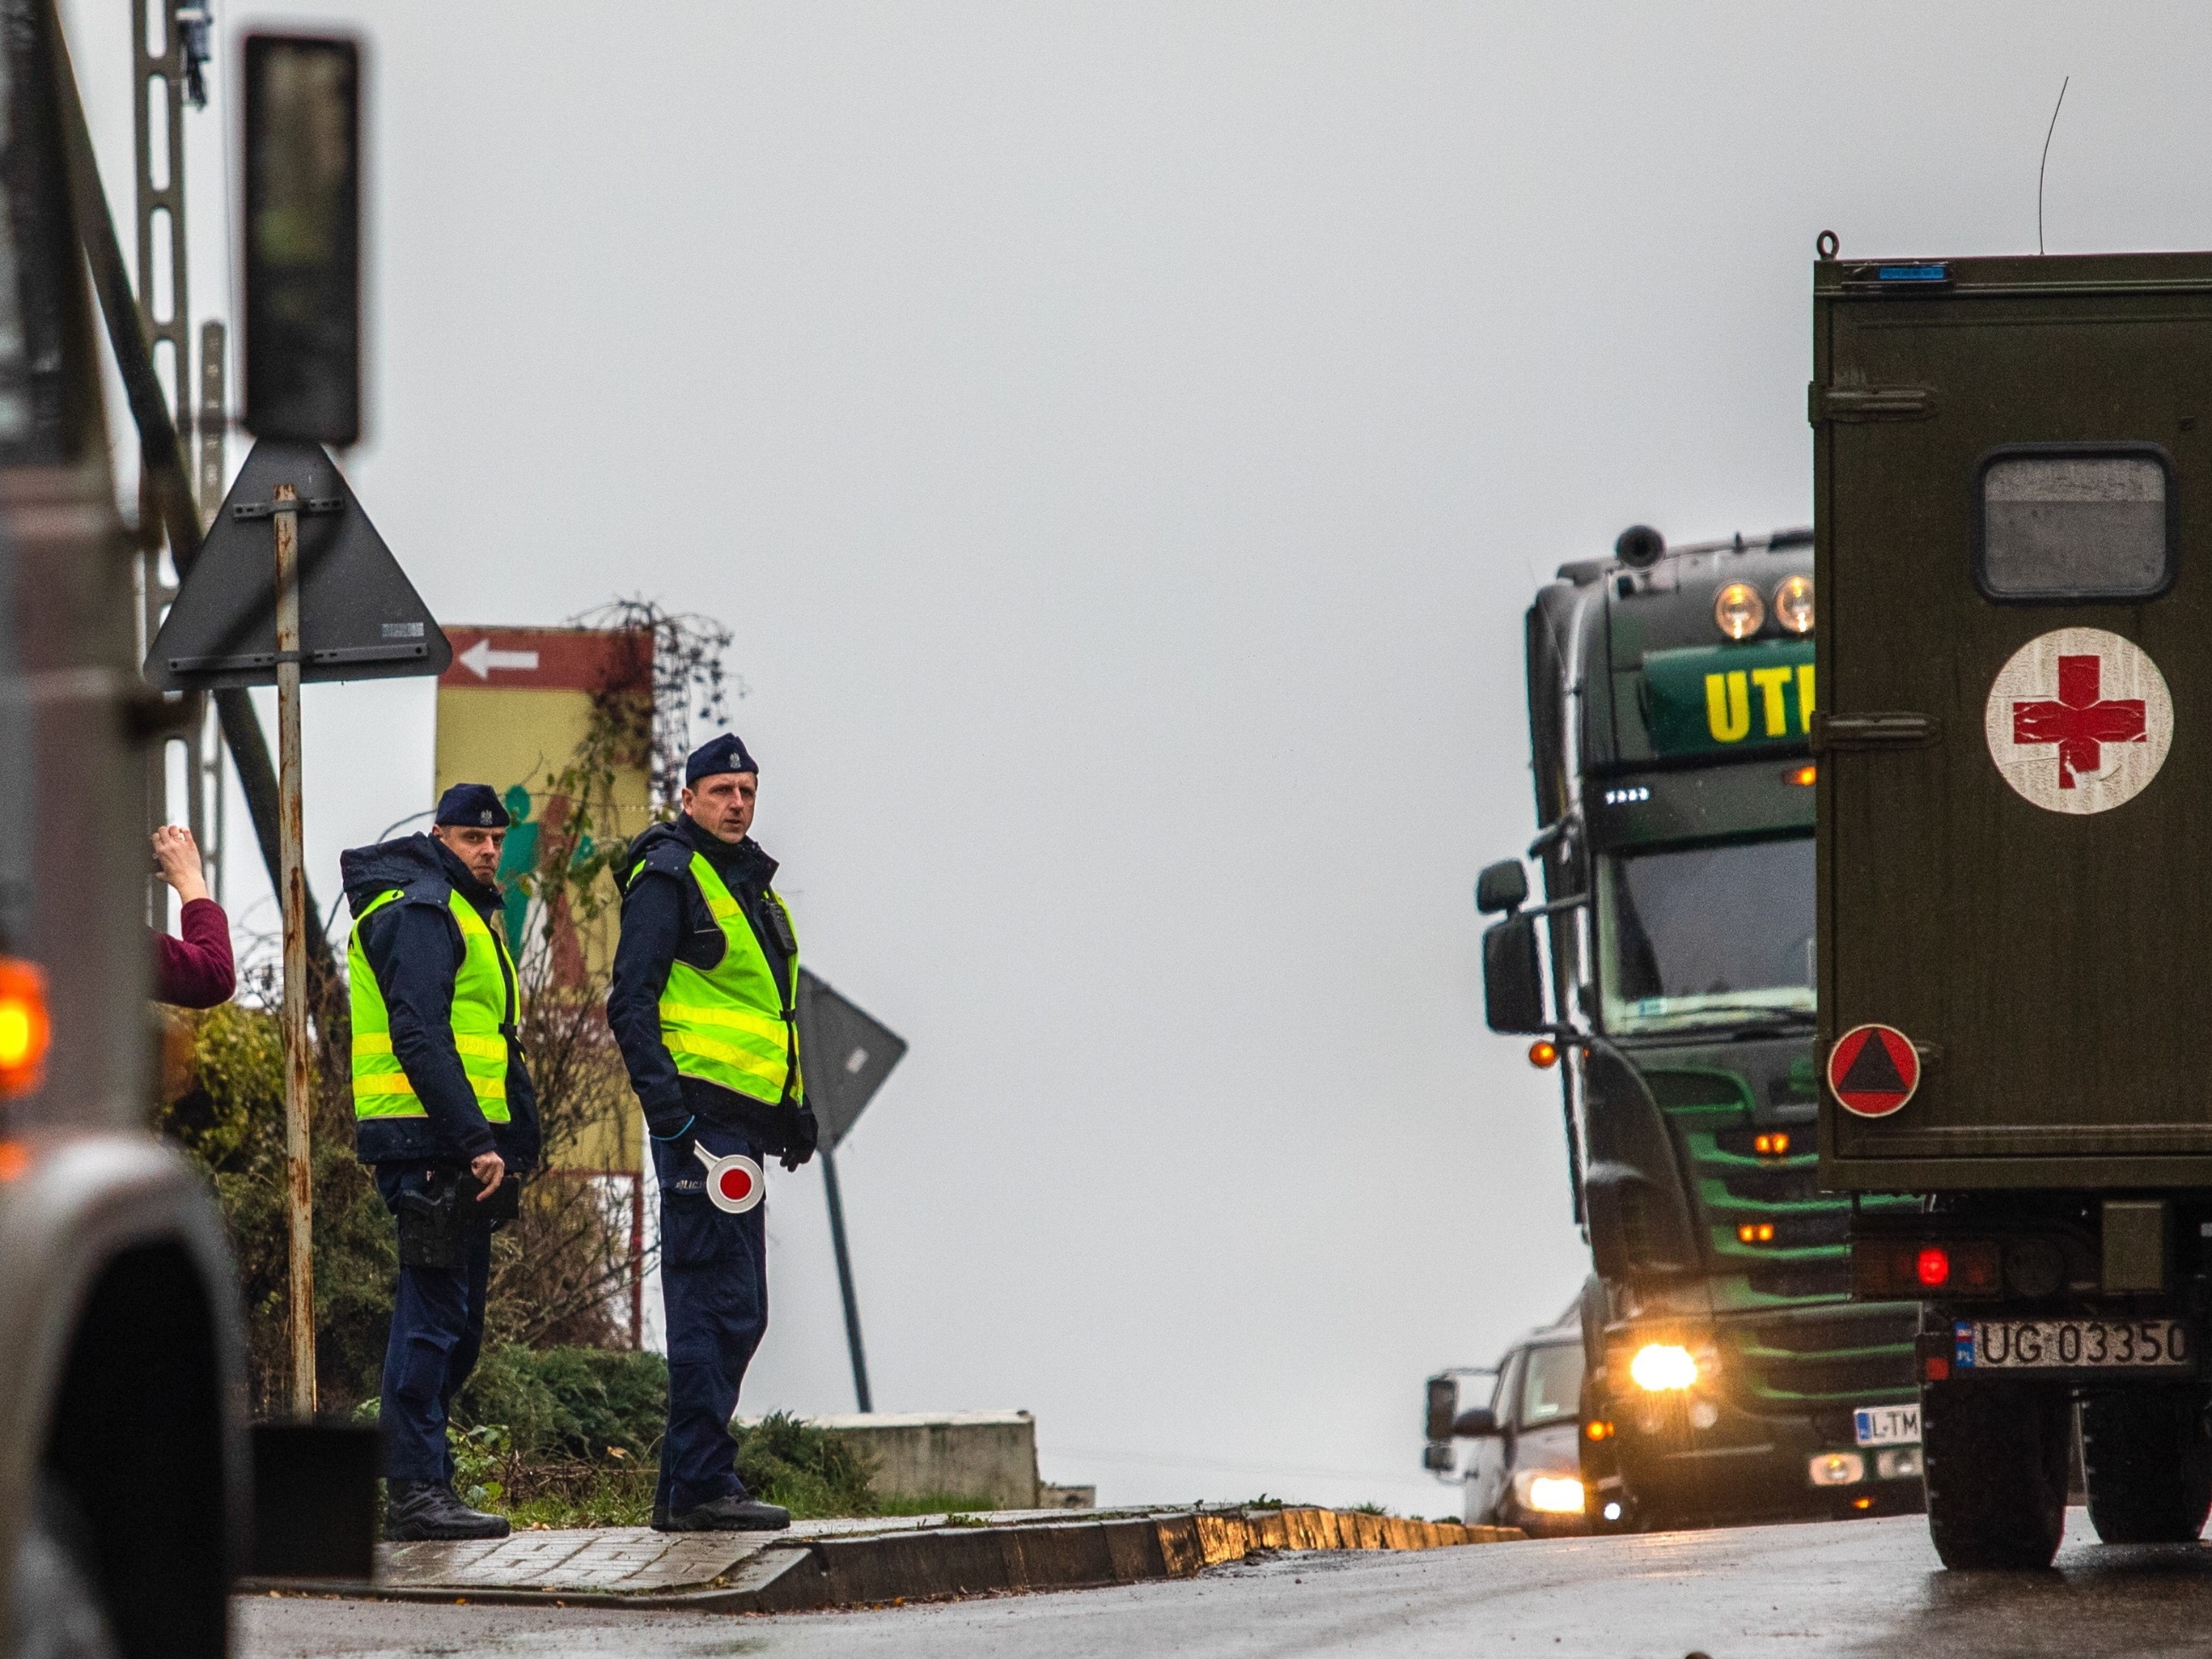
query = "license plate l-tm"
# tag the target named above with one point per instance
(1887, 1425)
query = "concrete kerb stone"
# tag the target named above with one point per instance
(788, 1573)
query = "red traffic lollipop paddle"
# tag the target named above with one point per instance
(736, 1183)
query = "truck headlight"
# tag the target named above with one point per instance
(1837, 1469)
(1549, 1493)
(1793, 604)
(1663, 1368)
(1738, 610)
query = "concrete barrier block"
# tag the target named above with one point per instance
(1222, 1538)
(1134, 1548)
(1179, 1548)
(988, 1457)
(1268, 1530)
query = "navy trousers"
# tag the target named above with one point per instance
(437, 1332)
(714, 1289)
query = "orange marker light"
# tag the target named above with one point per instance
(1598, 1428)
(1755, 1232)
(1804, 776)
(1771, 1145)
(1543, 1054)
(25, 1031)
(1863, 1503)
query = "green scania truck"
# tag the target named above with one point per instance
(1730, 1376)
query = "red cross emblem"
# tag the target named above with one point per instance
(2081, 722)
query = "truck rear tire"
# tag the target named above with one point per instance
(2147, 1462)
(1994, 1456)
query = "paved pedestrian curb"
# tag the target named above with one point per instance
(840, 1566)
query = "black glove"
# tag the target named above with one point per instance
(800, 1136)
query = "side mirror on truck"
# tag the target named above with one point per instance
(1512, 978)
(1502, 888)
(1444, 1405)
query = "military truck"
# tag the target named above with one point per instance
(1728, 1374)
(130, 1480)
(2013, 457)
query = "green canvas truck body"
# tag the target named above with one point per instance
(2013, 508)
(1676, 801)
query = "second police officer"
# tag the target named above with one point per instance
(445, 1114)
(704, 1006)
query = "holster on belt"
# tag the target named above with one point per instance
(437, 1223)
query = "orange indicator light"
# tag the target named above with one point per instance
(1863, 1503)
(1804, 776)
(1771, 1145)
(1543, 1054)
(1755, 1232)
(1598, 1428)
(25, 1032)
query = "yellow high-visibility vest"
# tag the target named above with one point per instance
(732, 1024)
(483, 1009)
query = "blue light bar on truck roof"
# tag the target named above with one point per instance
(1915, 273)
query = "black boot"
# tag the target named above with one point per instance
(735, 1513)
(428, 1509)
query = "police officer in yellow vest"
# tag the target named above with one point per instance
(444, 1112)
(706, 984)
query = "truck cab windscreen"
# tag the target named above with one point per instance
(1707, 936)
(1552, 1386)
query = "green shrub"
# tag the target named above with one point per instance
(809, 1471)
(576, 1403)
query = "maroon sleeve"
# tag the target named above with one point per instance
(195, 972)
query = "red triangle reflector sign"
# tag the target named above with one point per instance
(1873, 1070)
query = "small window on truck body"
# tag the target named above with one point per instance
(2070, 523)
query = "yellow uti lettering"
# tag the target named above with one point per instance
(1728, 707)
(1770, 681)
(1805, 697)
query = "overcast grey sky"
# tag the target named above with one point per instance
(1124, 438)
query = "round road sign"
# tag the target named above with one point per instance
(1873, 1070)
(2079, 721)
(735, 1183)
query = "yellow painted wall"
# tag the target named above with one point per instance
(505, 736)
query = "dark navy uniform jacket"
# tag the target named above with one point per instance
(415, 949)
(665, 917)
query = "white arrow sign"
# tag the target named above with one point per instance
(480, 660)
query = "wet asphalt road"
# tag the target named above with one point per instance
(1850, 1588)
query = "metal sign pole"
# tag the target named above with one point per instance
(299, 1195)
(845, 1279)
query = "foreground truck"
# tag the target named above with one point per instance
(2014, 501)
(123, 1451)
(129, 1481)
(1729, 1375)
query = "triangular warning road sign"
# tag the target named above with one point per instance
(1873, 1071)
(844, 1053)
(359, 617)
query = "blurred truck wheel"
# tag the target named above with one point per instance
(56, 1607)
(1996, 1470)
(2147, 1463)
